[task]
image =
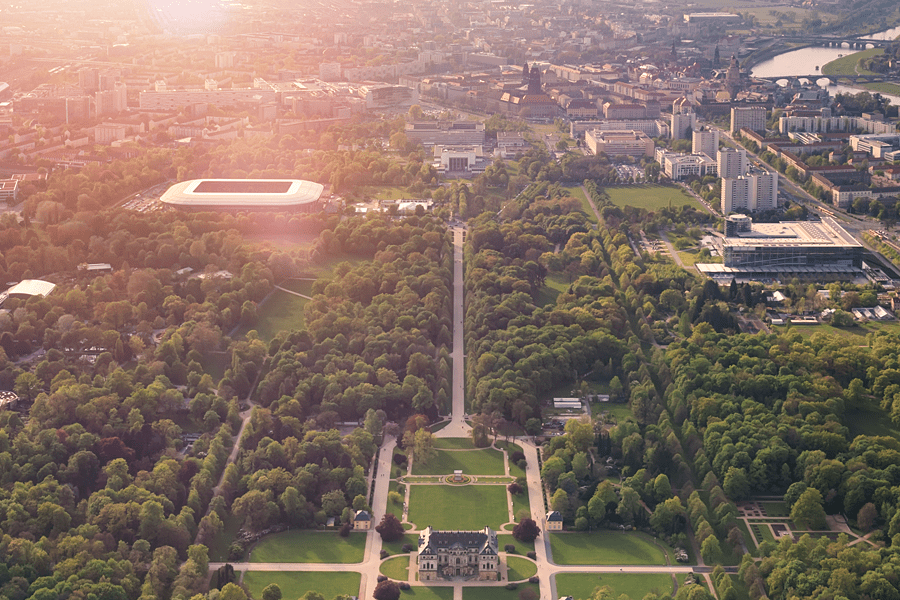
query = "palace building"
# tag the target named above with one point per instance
(451, 554)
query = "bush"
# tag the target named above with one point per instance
(512, 586)
(522, 464)
(532, 555)
(407, 547)
(345, 530)
(517, 456)
(386, 590)
(514, 488)
(381, 578)
(510, 548)
(403, 585)
(534, 579)
(399, 459)
(384, 553)
(236, 551)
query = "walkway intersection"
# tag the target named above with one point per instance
(369, 568)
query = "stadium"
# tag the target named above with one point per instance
(294, 195)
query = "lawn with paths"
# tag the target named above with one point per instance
(282, 311)
(520, 502)
(472, 462)
(519, 568)
(468, 507)
(581, 585)
(605, 548)
(396, 568)
(296, 584)
(303, 546)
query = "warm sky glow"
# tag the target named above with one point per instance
(188, 16)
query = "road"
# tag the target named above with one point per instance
(671, 249)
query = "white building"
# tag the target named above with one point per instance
(732, 162)
(705, 141)
(679, 166)
(681, 123)
(619, 143)
(330, 71)
(459, 159)
(754, 191)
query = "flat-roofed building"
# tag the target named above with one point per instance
(751, 117)
(245, 194)
(619, 143)
(447, 133)
(9, 190)
(27, 288)
(810, 250)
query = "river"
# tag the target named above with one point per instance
(807, 61)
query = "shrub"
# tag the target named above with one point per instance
(517, 456)
(403, 585)
(512, 586)
(345, 530)
(510, 548)
(236, 551)
(399, 459)
(514, 488)
(407, 547)
(384, 553)
(534, 579)
(532, 555)
(386, 590)
(522, 464)
(381, 578)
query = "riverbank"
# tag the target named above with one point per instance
(847, 65)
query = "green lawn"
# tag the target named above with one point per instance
(776, 509)
(847, 64)
(622, 412)
(387, 192)
(281, 311)
(581, 585)
(286, 242)
(605, 548)
(295, 584)
(883, 87)
(465, 507)
(520, 568)
(454, 443)
(427, 593)
(396, 568)
(577, 192)
(300, 545)
(396, 547)
(554, 285)
(522, 548)
(495, 593)
(520, 502)
(473, 462)
(649, 196)
(748, 539)
(301, 286)
(869, 420)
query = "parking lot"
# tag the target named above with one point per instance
(147, 200)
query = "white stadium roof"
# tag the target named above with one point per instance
(32, 287)
(243, 193)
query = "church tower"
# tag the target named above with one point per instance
(526, 74)
(534, 81)
(733, 77)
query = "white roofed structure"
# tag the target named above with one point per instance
(245, 194)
